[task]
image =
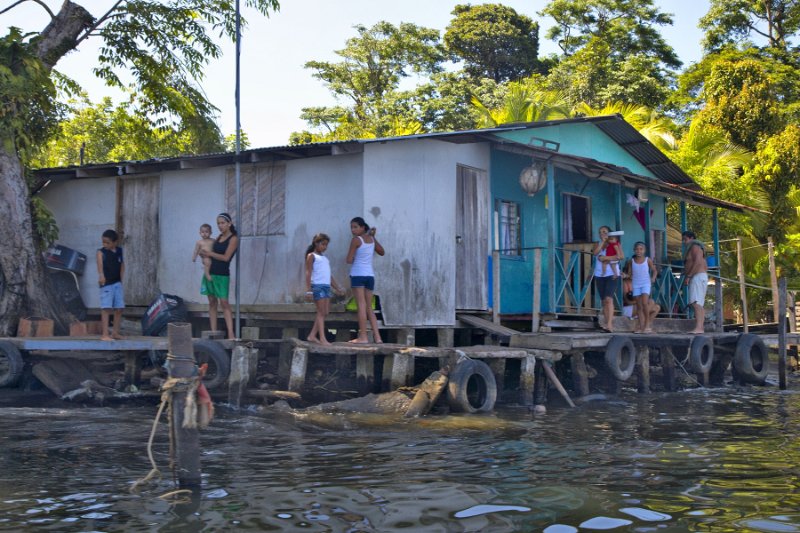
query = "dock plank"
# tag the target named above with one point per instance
(495, 329)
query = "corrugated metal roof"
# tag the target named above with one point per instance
(613, 125)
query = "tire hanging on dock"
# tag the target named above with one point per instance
(751, 359)
(620, 357)
(219, 363)
(11, 364)
(701, 354)
(471, 387)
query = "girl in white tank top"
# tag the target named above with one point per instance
(643, 274)
(363, 246)
(318, 285)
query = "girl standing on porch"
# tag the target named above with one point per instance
(642, 272)
(605, 281)
(318, 284)
(362, 277)
(216, 288)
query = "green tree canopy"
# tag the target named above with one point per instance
(629, 27)
(163, 46)
(736, 22)
(494, 41)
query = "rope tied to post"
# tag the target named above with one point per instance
(193, 416)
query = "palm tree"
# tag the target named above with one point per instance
(524, 101)
(656, 128)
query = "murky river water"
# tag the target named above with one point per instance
(716, 460)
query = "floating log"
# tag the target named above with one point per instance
(427, 395)
(557, 384)
(61, 376)
(273, 394)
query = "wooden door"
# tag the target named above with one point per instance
(139, 200)
(472, 238)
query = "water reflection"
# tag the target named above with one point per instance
(718, 460)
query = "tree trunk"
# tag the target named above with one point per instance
(26, 287)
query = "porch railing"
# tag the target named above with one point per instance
(573, 289)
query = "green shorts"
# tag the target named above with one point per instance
(217, 287)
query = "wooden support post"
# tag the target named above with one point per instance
(365, 373)
(406, 336)
(537, 290)
(133, 368)
(718, 307)
(527, 380)
(181, 364)
(285, 353)
(539, 386)
(445, 337)
(668, 368)
(580, 375)
(742, 285)
(402, 370)
(773, 278)
(496, 286)
(557, 384)
(343, 362)
(297, 375)
(386, 373)
(251, 333)
(782, 333)
(498, 368)
(643, 369)
(240, 376)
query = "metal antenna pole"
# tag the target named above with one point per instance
(238, 326)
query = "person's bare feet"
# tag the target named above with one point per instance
(696, 332)
(359, 341)
(648, 330)
(106, 338)
(117, 336)
(324, 342)
(312, 339)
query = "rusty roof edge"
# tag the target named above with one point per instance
(628, 176)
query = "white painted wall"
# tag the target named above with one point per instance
(404, 188)
(189, 198)
(322, 195)
(409, 195)
(83, 209)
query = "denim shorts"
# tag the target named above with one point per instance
(638, 290)
(321, 291)
(111, 296)
(366, 282)
(606, 286)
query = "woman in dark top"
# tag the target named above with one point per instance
(216, 288)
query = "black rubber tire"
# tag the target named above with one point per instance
(751, 359)
(471, 388)
(701, 354)
(620, 357)
(11, 364)
(219, 362)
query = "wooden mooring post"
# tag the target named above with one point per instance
(182, 364)
(782, 333)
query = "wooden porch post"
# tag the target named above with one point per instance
(683, 216)
(742, 287)
(647, 224)
(537, 289)
(773, 278)
(718, 284)
(551, 237)
(782, 334)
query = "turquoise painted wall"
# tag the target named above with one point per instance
(580, 139)
(516, 272)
